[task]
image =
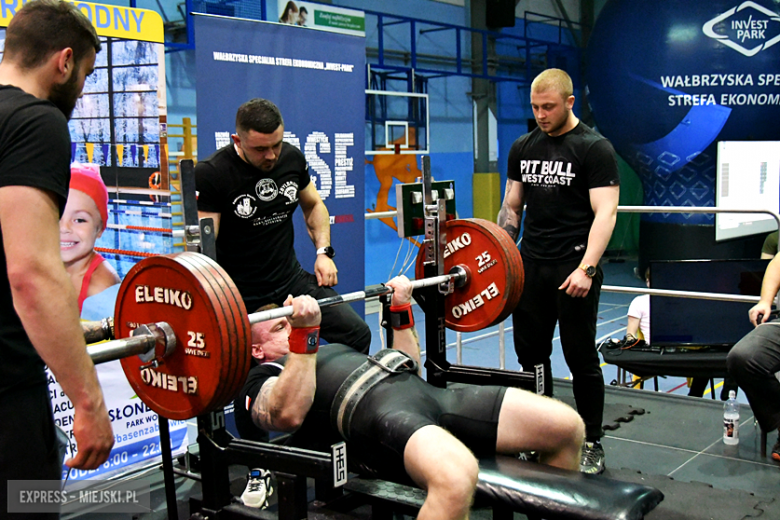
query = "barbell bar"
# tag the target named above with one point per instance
(459, 276)
(146, 337)
(186, 347)
(143, 342)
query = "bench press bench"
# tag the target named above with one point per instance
(508, 486)
(505, 484)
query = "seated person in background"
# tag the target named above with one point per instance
(769, 249)
(639, 329)
(755, 359)
(402, 427)
(82, 223)
(639, 316)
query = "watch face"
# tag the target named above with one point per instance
(330, 251)
(590, 271)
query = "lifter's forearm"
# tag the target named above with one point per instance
(407, 341)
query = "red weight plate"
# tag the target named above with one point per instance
(238, 324)
(496, 274)
(517, 272)
(190, 381)
(209, 278)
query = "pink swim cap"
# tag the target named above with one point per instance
(86, 178)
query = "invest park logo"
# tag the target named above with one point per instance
(748, 28)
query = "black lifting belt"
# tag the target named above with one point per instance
(381, 365)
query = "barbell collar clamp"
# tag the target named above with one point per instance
(164, 341)
(460, 275)
(153, 341)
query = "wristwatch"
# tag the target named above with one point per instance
(327, 250)
(589, 270)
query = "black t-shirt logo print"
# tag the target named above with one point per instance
(290, 190)
(266, 189)
(245, 206)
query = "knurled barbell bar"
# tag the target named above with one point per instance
(196, 359)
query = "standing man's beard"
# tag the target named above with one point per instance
(66, 95)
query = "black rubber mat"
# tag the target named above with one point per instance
(769, 510)
(614, 413)
(698, 501)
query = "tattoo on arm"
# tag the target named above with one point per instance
(263, 415)
(508, 218)
(507, 223)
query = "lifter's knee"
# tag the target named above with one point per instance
(457, 476)
(567, 433)
(453, 485)
(442, 465)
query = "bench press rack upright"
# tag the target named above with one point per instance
(432, 300)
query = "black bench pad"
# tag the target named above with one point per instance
(508, 484)
(553, 493)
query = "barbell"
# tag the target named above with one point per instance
(186, 338)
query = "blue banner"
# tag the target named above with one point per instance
(317, 79)
(667, 80)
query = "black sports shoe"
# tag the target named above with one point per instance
(258, 489)
(592, 461)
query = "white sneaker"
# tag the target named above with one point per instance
(258, 488)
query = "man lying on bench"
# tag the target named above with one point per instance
(397, 426)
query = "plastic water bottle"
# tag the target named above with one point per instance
(731, 420)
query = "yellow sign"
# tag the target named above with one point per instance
(109, 20)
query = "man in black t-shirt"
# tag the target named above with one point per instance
(566, 176)
(400, 428)
(50, 49)
(251, 189)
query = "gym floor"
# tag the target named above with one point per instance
(664, 439)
